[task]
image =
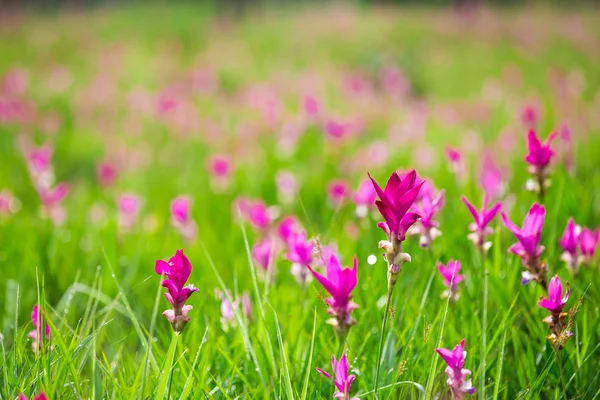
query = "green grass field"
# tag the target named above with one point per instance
(158, 90)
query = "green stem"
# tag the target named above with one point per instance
(483, 328)
(562, 377)
(379, 350)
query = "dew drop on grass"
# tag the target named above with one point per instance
(372, 259)
(99, 268)
(113, 275)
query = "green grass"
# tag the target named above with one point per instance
(97, 286)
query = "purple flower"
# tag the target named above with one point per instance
(427, 207)
(539, 155)
(482, 219)
(342, 380)
(555, 301)
(528, 247)
(177, 271)
(300, 251)
(395, 201)
(459, 385)
(339, 283)
(37, 332)
(588, 240)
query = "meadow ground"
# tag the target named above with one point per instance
(108, 115)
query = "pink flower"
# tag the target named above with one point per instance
(450, 273)
(311, 106)
(288, 227)
(364, 198)
(37, 332)
(339, 283)
(341, 379)
(263, 253)
(427, 207)
(40, 396)
(480, 229)
(181, 217)
(338, 191)
(39, 159)
(528, 237)
(336, 129)
(287, 186)
(539, 155)
(8, 203)
(300, 250)
(394, 203)
(129, 208)
(107, 173)
(220, 165)
(555, 301)
(588, 240)
(457, 164)
(459, 385)
(52, 201)
(491, 178)
(529, 116)
(177, 271)
(570, 243)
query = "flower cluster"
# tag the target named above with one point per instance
(177, 271)
(528, 246)
(459, 385)
(555, 303)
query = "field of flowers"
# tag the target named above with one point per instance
(300, 204)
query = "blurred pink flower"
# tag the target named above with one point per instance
(451, 276)
(8, 203)
(588, 241)
(364, 198)
(264, 253)
(338, 191)
(287, 186)
(107, 173)
(570, 244)
(129, 208)
(16, 82)
(52, 199)
(530, 117)
(37, 332)
(427, 207)
(288, 227)
(491, 178)
(336, 129)
(40, 396)
(341, 379)
(311, 106)
(181, 217)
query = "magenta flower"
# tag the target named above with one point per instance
(181, 217)
(300, 250)
(311, 106)
(337, 192)
(341, 379)
(457, 164)
(288, 227)
(129, 207)
(588, 241)
(555, 303)
(394, 203)
(219, 166)
(264, 253)
(37, 332)
(480, 229)
(39, 160)
(40, 396)
(107, 173)
(339, 283)
(52, 199)
(364, 198)
(258, 215)
(459, 385)
(528, 247)
(451, 276)
(539, 158)
(336, 129)
(427, 207)
(570, 244)
(177, 271)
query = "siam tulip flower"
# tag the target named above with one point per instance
(539, 158)
(336, 129)
(491, 178)
(342, 380)
(555, 303)
(588, 241)
(393, 204)
(263, 253)
(107, 173)
(8, 203)
(339, 283)
(457, 380)
(52, 202)
(394, 81)
(364, 198)
(129, 209)
(451, 278)
(311, 106)
(570, 244)
(337, 192)
(528, 247)
(287, 187)
(457, 164)
(177, 271)
(480, 229)
(181, 217)
(229, 306)
(529, 117)
(219, 167)
(427, 227)
(257, 214)
(40, 396)
(37, 332)
(288, 227)
(39, 164)
(300, 253)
